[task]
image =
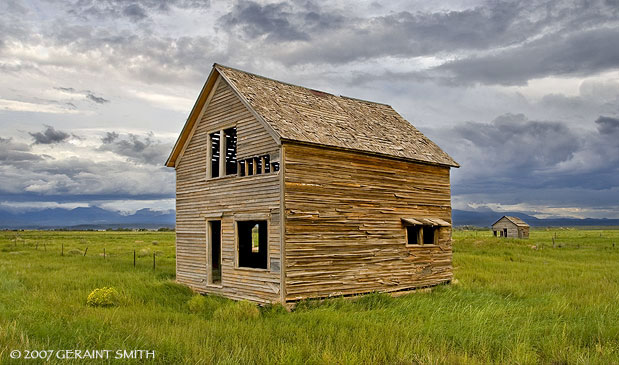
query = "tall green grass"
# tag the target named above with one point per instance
(514, 301)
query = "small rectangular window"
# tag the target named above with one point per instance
(230, 134)
(258, 162)
(215, 140)
(412, 235)
(267, 164)
(242, 168)
(275, 166)
(249, 166)
(428, 235)
(252, 244)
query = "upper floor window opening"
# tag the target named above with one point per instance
(257, 166)
(221, 153)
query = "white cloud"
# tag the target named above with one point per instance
(40, 205)
(22, 106)
(164, 101)
(131, 206)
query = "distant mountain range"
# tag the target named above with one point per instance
(85, 218)
(98, 218)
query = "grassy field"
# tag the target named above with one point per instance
(510, 303)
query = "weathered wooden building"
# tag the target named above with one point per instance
(510, 227)
(285, 193)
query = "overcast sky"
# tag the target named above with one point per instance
(524, 95)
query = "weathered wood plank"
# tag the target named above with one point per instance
(343, 228)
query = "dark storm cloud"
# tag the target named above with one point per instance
(514, 154)
(512, 143)
(569, 54)
(109, 137)
(96, 99)
(89, 95)
(279, 22)
(608, 126)
(49, 136)
(135, 10)
(339, 38)
(138, 149)
(12, 152)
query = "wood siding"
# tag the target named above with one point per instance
(199, 200)
(343, 228)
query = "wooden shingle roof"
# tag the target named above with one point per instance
(296, 113)
(515, 220)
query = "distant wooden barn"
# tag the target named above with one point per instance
(510, 227)
(285, 193)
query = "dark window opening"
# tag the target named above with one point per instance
(257, 166)
(214, 154)
(252, 238)
(215, 251)
(249, 166)
(504, 232)
(242, 168)
(230, 134)
(428, 235)
(494, 233)
(267, 164)
(412, 234)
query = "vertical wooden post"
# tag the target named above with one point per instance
(133, 258)
(104, 253)
(62, 249)
(153, 261)
(209, 157)
(86, 250)
(222, 153)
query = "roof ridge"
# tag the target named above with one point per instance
(296, 85)
(365, 101)
(268, 78)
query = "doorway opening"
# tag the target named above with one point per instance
(214, 254)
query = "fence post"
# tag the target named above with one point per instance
(62, 249)
(133, 258)
(153, 261)
(104, 253)
(86, 250)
